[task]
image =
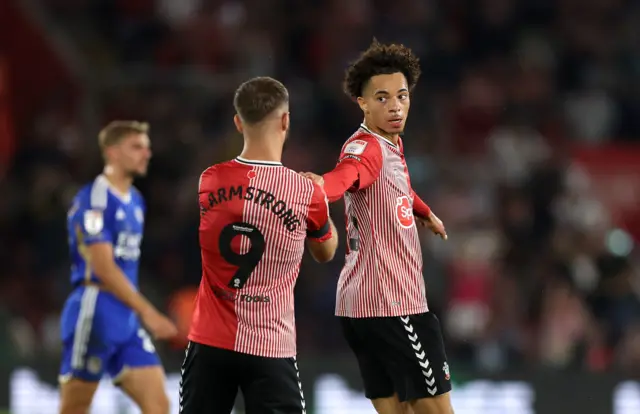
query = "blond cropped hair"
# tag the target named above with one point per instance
(116, 131)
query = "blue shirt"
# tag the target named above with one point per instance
(101, 214)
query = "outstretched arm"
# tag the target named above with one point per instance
(420, 208)
(358, 167)
(426, 218)
(322, 236)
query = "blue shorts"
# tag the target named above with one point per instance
(100, 335)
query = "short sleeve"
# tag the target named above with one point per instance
(94, 223)
(206, 183)
(318, 227)
(365, 153)
(94, 227)
(142, 204)
(420, 208)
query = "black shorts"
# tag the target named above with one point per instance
(402, 354)
(212, 376)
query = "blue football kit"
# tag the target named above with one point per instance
(100, 334)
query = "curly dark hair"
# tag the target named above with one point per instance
(381, 59)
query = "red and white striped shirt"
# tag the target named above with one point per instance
(254, 219)
(382, 275)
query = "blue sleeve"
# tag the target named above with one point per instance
(141, 202)
(95, 221)
(141, 207)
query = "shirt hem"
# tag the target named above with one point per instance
(382, 312)
(231, 347)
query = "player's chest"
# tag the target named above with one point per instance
(128, 223)
(128, 219)
(395, 174)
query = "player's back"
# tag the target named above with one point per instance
(253, 226)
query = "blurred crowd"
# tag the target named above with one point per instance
(535, 272)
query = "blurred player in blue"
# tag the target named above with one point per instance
(101, 321)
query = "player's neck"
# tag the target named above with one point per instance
(259, 151)
(390, 137)
(119, 181)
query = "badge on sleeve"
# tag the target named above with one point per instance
(355, 147)
(93, 222)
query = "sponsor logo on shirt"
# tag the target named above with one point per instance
(127, 246)
(353, 157)
(244, 298)
(404, 212)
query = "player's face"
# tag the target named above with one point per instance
(133, 154)
(386, 103)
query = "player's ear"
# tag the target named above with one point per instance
(286, 121)
(238, 122)
(363, 104)
(109, 153)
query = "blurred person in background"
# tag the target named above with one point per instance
(181, 307)
(397, 341)
(100, 322)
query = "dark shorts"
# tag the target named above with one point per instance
(212, 376)
(403, 355)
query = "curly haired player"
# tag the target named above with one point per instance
(381, 298)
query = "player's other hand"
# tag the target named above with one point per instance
(160, 326)
(314, 177)
(434, 224)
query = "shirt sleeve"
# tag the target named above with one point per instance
(141, 202)
(358, 167)
(205, 183)
(318, 227)
(420, 208)
(94, 224)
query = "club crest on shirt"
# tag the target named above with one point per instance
(355, 147)
(93, 222)
(404, 212)
(445, 369)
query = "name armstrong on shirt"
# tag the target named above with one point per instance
(259, 197)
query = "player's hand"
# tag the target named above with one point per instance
(314, 177)
(160, 326)
(434, 224)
